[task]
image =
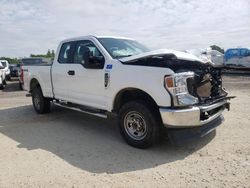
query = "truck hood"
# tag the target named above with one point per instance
(162, 52)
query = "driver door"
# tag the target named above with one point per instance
(82, 85)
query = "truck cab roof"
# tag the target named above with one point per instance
(95, 37)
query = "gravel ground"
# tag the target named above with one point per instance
(71, 149)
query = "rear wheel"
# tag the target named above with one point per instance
(4, 82)
(20, 86)
(139, 125)
(41, 104)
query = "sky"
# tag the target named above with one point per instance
(34, 26)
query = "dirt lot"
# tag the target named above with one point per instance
(71, 149)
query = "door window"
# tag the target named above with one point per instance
(66, 52)
(84, 50)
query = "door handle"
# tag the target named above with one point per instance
(71, 72)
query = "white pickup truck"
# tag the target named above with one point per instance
(150, 91)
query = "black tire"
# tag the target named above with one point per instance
(40, 103)
(20, 86)
(8, 78)
(4, 82)
(1, 85)
(147, 128)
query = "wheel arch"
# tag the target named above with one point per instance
(129, 94)
(33, 84)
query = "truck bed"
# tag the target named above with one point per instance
(41, 72)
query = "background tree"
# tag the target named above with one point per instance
(49, 54)
(53, 54)
(215, 47)
(10, 60)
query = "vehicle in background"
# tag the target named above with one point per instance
(209, 55)
(31, 61)
(149, 91)
(216, 57)
(5, 63)
(2, 76)
(14, 69)
(238, 58)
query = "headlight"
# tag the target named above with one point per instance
(176, 84)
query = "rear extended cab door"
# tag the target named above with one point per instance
(75, 83)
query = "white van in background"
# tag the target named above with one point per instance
(216, 57)
(209, 55)
(238, 58)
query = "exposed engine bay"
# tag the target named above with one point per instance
(206, 84)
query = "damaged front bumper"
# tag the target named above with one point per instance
(181, 136)
(193, 116)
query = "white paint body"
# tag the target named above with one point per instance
(2, 74)
(6, 68)
(86, 87)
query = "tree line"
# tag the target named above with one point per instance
(49, 54)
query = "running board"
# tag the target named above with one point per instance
(98, 114)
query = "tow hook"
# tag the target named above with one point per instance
(227, 105)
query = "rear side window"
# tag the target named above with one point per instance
(31, 61)
(66, 53)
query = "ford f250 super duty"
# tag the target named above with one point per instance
(149, 91)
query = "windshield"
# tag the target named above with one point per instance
(119, 48)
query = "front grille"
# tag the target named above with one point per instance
(206, 87)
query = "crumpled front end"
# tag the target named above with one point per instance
(196, 90)
(205, 86)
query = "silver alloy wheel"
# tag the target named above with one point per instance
(135, 125)
(37, 101)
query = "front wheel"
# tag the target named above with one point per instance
(139, 125)
(40, 103)
(1, 83)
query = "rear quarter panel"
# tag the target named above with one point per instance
(42, 74)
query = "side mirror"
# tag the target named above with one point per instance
(96, 62)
